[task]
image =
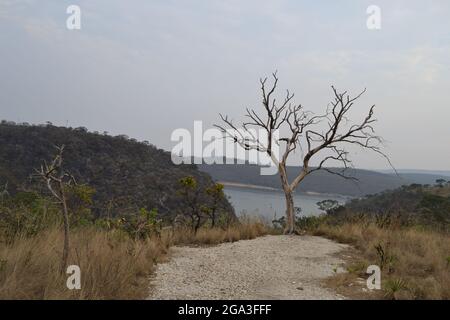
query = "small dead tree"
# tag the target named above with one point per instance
(56, 180)
(300, 129)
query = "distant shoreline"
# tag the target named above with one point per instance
(265, 188)
(248, 186)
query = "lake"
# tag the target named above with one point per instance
(268, 203)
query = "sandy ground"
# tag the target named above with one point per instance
(270, 267)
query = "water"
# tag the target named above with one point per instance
(270, 203)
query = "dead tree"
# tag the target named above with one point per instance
(56, 180)
(302, 130)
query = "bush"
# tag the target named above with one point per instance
(26, 214)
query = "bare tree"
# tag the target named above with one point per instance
(56, 179)
(322, 136)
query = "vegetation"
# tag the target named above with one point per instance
(405, 232)
(409, 205)
(125, 203)
(202, 206)
(114, 265)
(116, 255)
(57, 181)
(126, 175)
(117, 243)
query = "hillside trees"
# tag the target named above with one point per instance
(441, 182)
(200, 204)
(126, 175)
(215, 192)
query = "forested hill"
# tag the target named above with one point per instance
(127, 175)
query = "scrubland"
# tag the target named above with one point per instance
(113, 265)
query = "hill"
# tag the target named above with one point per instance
(422, 204)
(439, 173)
(322, 182)
(369, 182)
(126, 174)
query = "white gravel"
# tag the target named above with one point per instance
(270, 267)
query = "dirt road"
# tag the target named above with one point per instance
(270, 267)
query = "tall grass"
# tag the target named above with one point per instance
(415, 261)
(247, 229)
(113, 266)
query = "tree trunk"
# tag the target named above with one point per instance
(192, 222)
(290, 221)
(65, 255)
(197, 223)
(213, 218)
(289, 228)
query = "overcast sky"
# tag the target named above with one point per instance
(144, 68)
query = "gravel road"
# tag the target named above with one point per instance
(270, 267)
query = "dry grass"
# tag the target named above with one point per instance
(206, 236)
(441, 191)
(112, 265)
(415, 262)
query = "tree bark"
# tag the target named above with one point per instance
(290, 221)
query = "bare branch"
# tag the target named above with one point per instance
(301, 128)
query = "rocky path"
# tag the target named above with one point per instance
(270, 267)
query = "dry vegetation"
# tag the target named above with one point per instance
(113, 265)
(443, 191)
(415, 262)
(115, 253)
(212, 236)
(406, 232)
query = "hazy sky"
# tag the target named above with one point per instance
(144, 68)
